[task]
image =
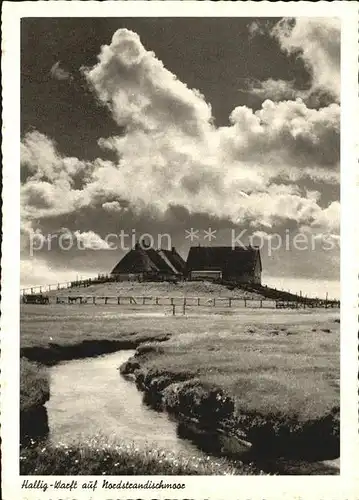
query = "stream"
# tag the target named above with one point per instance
(90, 398)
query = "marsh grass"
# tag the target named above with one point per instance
(290, 375)
(34, 385)
(271, 378)
(98, 458)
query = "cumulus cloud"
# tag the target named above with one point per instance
(38, 271)
(317, 42)
(171, 154)
(285, 133)
(91, 240)
(275, 90)
(115, 206)
(141, 92)
(50, 178)
(257, 27)
(60, 73)
(329, 218)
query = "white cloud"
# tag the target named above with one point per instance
(258, 28)
(329, 218)
(171, 153)
(113, 206)
(49, 187)
(91, 240)
(35, 272)
(59, 73)
(317, 42)
(275, 90)
(141, 92)
(285, 134)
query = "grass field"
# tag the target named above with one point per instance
(268, 368)
(283, 361)
(277, 369)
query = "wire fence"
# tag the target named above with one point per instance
(174, 301)
(272, 297)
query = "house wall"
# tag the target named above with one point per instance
(254, 278)
(205, 274)
(239, 278)
(257, 273)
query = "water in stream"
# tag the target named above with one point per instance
(89, 397)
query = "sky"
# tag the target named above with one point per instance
(193, 130)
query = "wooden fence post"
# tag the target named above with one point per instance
(245, 302)
(119, 300)
(230, 302)
(173, 310)
(261, 303)
(106, 299)
(94, 300)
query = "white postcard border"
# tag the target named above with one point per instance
(251, 487)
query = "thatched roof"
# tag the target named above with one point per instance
(173, 258)
(149, 260)
(231, 261)
(159, 262)
(135, 261)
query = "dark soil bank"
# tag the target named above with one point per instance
(34, 425)
(54, 353)
(208, 410)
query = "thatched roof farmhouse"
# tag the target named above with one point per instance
(239, 264)
(148, 263)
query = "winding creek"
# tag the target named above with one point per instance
(90, 398)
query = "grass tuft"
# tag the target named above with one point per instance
(97, 458)
(34, 385)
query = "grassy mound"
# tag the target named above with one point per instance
(158, 289)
